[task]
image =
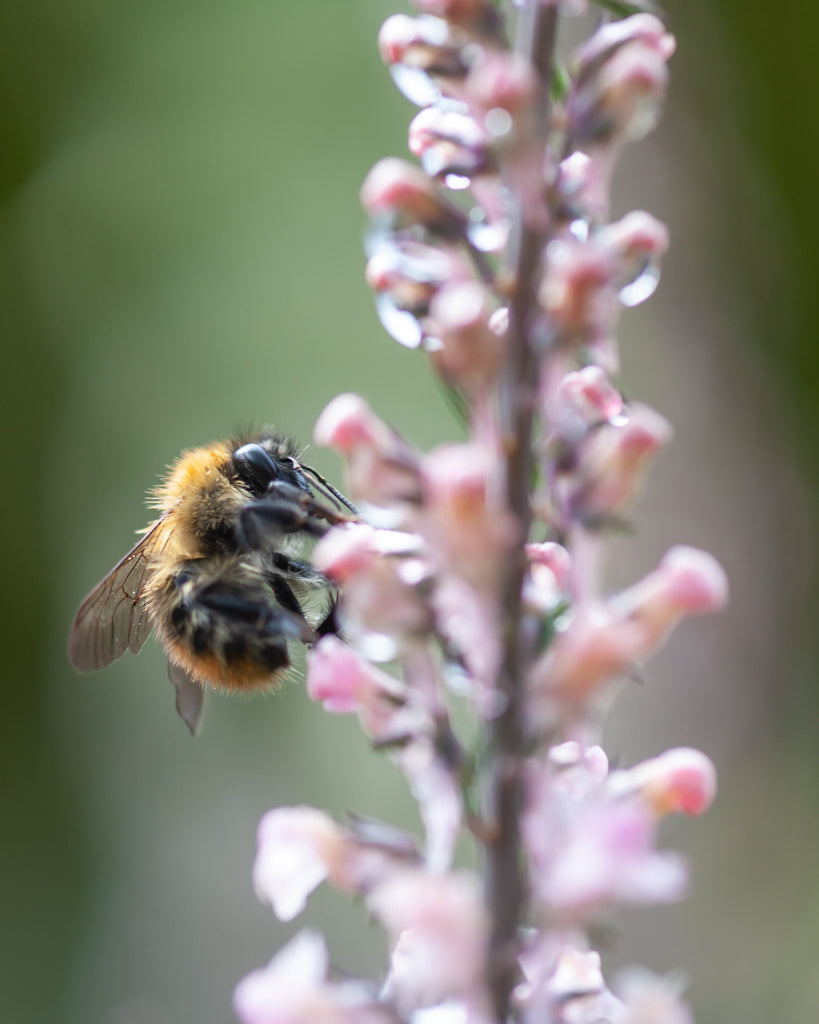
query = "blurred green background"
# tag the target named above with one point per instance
(180, 255)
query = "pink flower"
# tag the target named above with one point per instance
(602, 639)
(613, 463)
(620, 81)
(382, 468)
(575, 289)
(576, 770)
(297, 849)
(439, 928)
(293, 989)
(382, 573)
(464, 519)
(585, 398)
(471, 351)
(680, 780)
(501, 81)
(601, 852)
(407, 195)
(649, 999)
(343, 682)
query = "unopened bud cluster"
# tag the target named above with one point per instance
(512, 159)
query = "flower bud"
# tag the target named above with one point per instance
(585, 398)
(464, 521)
(636, 243)
(613, 462)
(686, 582)
(680, 780)
(502, 81)
(403, 193)
(477, 16)
(450, 145)
(382, 468)
(603, 639)
(620, 81)
(470, 352)
(426, 56)
(573, 292)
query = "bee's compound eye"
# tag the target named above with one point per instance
(255, 467)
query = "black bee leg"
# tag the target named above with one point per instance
(285, 596)
(329, 625)
(283, 491)
(288, 600)
(263, 521)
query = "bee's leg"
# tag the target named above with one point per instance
(265, 520)
(282, 491)
(329, 625)
(305, 573)
(285, 596)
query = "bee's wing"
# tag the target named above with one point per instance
(189, 696)
(114, 618)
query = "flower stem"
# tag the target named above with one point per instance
(506, 889)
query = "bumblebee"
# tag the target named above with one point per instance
(217, 576)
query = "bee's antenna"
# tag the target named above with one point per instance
(329, 491)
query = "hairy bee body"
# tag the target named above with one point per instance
(215, 576)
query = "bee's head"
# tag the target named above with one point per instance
(258, 468)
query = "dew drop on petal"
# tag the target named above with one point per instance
(486, 236)
(398, 323)
(579, 229)
(377, 647)
(499, 321)
(641, 287)
(457, 182)
(498, 122)
(415, 85)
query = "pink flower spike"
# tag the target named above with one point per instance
(297, 848)
(680, 780)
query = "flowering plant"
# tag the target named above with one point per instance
(474, 569)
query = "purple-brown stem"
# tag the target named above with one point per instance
(505, 869)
